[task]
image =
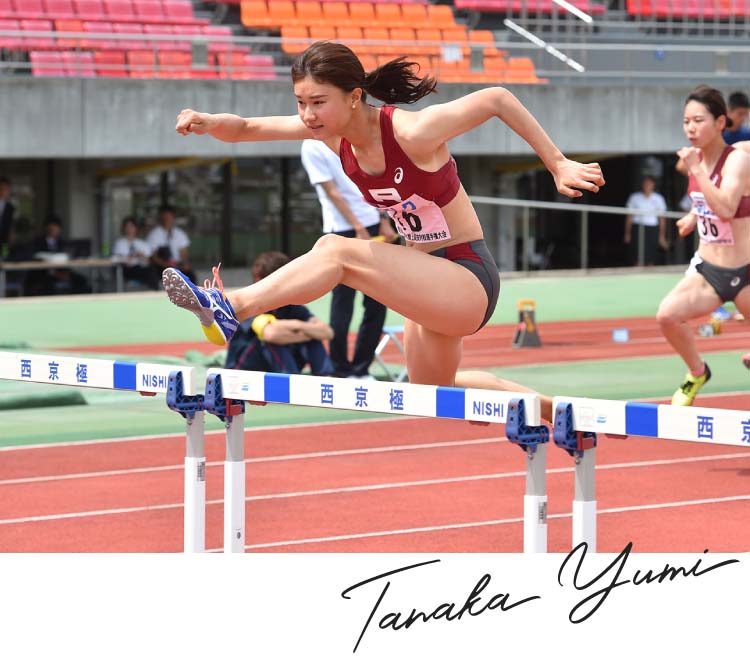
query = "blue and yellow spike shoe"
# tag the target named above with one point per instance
(208, 303)
(685, 394)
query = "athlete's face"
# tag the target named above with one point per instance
(325, 109)
(700, 126)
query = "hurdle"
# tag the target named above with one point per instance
(579, 419)
(145, 378)
(520, 412)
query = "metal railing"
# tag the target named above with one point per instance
(583, 210)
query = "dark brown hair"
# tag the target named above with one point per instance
(709, 97)
(336, 64)
(268, 262)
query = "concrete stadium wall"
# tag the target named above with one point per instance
(108, 118)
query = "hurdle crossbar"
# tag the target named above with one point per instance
(662, 421)
(145, 378)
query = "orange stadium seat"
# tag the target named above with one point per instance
(406, 35)
(361, 14)
(415, 16)
(494, 69)
(68, 26)
(79, 63)
(456, 36)
(375, 34)
(521, 70)
(309, 13)
(335, 14)
(293, 32)
(110, 63)
(441, 16)
(478, 37)
(389, 16)
(322, 32)
(141, 63)
(281, 12)
(429, 35)
(254, 14)
(348, 35)
(60, 9)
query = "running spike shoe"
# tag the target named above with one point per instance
(685, 394)
(208, 303)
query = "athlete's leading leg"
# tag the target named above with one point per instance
(488, 381)
(434, 292)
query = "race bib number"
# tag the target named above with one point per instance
(416, 219)
(711, 229)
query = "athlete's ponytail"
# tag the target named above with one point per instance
(336, 64)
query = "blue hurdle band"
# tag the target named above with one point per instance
(677, 423)
(376, 396)
(581, 416)
(93, 372)
(145, 378)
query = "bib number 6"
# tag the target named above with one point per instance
(709, 227)
(411, 219)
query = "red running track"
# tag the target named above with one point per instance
(400, 485)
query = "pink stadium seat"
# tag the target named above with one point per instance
(10, 43)
(38, 43)
(30, 9)
(60, 9)
(180, 12)
(129, 44)
(222, 46)
(7, 10)
(110, 64)
(163, 44)
(99, 27)
(141, 63)
(79, 64)
(89, 10)
(46, 63)
(119, 10)
(174, 65)
(149, 11)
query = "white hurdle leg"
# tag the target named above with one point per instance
(234, 486)
(584, 503)
(194, 526)
(535, 501)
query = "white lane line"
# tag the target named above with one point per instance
(368, 487)
(495, 522)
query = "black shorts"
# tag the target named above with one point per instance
(475, 256)
(727, 283)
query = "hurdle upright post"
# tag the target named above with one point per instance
(584, 500)
(533, 441)
(232, 413)
(194, 516)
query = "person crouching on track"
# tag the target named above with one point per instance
(719, 189)
(284, 340)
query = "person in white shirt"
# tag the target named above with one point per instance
(135, 254)
(169, 244)
(654, 225)
(347, 214)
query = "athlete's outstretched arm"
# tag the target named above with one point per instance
(437, 124)
(233, 128)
